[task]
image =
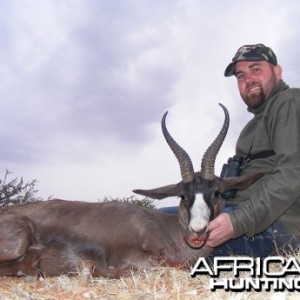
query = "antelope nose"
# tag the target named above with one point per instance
(198, 230)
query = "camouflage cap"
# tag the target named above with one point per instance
(255, 52)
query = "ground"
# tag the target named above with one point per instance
(158, 283)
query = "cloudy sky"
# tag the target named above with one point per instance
(84, 83)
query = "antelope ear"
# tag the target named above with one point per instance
(161, 192)
(239, 183)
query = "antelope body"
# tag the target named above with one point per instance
(59, 237)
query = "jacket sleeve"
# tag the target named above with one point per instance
(278, 190)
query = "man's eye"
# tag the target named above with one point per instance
(239, 76)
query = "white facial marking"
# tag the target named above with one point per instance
(200, 214)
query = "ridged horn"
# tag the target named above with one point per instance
(209, 157)
(185, 163)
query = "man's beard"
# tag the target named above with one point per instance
(255, 100)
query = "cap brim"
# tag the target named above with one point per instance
(229, 71)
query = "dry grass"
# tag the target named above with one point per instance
(158, 283)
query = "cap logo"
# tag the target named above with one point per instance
(245, 49)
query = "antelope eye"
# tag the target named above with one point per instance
(217, 194)
(188, 198)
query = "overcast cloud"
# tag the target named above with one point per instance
(84, 85)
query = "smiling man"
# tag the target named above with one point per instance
(263, 219)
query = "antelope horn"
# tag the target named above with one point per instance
(209, 157)
(186, 165)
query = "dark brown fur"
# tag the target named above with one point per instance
(56, 236)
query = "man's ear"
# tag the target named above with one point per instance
(161, 192)
(278, 72)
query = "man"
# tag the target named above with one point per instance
(264, 218)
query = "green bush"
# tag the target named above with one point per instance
(145, 202)
(16, 191)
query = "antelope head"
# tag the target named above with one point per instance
(199, 191)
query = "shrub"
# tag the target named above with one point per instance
(145, 202)
(16, 191)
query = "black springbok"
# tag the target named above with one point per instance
(110, 238)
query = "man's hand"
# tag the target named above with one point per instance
(220, 230)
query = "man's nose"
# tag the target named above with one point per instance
(248, 77)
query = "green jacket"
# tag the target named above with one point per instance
(275, 126)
